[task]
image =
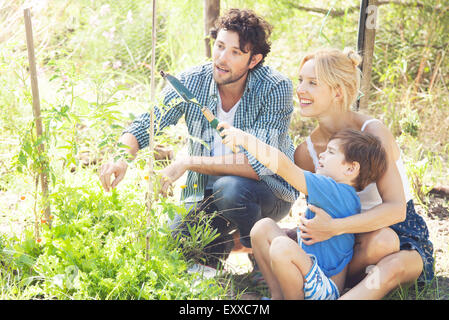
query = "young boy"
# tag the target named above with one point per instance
(352, 160)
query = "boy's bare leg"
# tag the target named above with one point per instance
(290, 264)
(262, 234)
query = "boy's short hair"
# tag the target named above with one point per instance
(251, 28)
(367, 150)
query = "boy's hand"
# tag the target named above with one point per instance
(233, 137)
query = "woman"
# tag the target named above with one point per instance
(389, 233)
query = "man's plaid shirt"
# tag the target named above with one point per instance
(265, 111)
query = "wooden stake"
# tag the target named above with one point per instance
(365, 46)
(436, 69)
(36, 108)
(211, 13)
(150, 195)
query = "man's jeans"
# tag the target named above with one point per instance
(240, 203)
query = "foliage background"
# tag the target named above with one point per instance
(93, 67)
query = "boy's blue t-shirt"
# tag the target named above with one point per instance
(339, 200)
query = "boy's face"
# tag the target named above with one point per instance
(230, 63)
(332, 164)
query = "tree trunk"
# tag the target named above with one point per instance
(211, 14)
(366, 38)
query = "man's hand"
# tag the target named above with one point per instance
(170, 174)
(317, 229)
(117, 168)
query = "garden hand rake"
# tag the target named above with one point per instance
(187, 96)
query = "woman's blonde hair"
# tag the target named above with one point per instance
(338, 69)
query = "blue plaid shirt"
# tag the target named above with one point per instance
(265, 111)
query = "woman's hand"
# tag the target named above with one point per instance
(317, 229)
(233, 137)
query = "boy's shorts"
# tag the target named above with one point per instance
(317, 285)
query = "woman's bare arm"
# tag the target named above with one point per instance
(393, 207)
(391, 211)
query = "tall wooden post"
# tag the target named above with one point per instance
(211, 13)
(37, 109)
(365, 46)
(150, 195)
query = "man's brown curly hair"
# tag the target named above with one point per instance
(252, 30)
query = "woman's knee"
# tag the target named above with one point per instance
(392, 270)
(379, 244)
(399, 268)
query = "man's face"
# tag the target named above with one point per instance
(231, 64)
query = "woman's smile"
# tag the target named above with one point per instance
(305, 102)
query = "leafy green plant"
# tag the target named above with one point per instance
(94, 250)
(410, 122)
(417, 171)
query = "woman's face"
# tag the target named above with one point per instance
(314, 98)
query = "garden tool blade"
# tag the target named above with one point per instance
(180, 89)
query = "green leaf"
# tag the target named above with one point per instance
(103, 143)
(27, 147)
(38, 142)
(83, 104)
(121, 145)
(53, 77)
(22, 159)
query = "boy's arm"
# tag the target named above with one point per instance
(267, 155)
(272, 121)
(234, 164)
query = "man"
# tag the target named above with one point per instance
(238, 89)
